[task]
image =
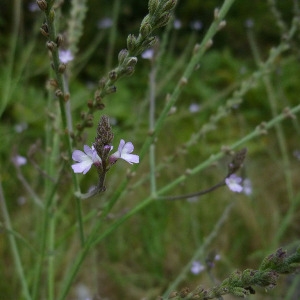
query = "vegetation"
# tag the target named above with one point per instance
(207, 207)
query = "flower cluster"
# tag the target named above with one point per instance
(90, 157)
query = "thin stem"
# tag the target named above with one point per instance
(196, 194)
(13, 245)
(61, 96)
(152, 86)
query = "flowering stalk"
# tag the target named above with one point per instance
(231, 180)
(98, 155)
(240, 284)
(158, 16)
(53, 43)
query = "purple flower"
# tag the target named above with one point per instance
(148, 54)
(19, 160)
(65, 56)
(197, 268)
(194, 107)
(85, 160)
(177, 24)
(105, 23)
(123, 152)
(234, 183)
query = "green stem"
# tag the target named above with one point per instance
(61, 98)
(13, 245)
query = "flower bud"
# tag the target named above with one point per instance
(123, 54)
(111, 89)
(51, 45)
(169, 5)
(145, 29)
(61, 68)
(51, 15)
(152, 6)
(113, 75)
(59, 93)
(42, 4)
(59, 40)
(131, 61)
(131, 42)
(44, 30)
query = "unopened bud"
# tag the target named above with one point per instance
(209, 44)
(59, 40)
(123, 54)
(113, 75)
(131, 42)
(61, 68)
(169, 5)
(51, 45)
(44, 30)
(59, 93)
(152, 6)
(111, 89)
(42, 4)
(145, 30)
(131, 62)
(222, 24)
(216, 13)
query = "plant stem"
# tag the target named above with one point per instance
(13, 245)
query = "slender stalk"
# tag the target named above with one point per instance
(13, 245)
(49, 15)
(152, 95)
(113, 34)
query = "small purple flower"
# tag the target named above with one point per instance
(105, 23)
(19, 160)
(123, 152)
(65, 56)
(196, 25)
(194, 107)
(177, 24)
(85, 160)
(32, 6)
(197, 267)
(234, 183)
(148, 54)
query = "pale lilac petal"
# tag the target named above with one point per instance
(197, 267)
(82, 167)
(78, 155)
(128, 148)
(233, 183)
(131, 158)
(121, 145)
(89, 151)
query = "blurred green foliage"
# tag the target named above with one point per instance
(143, 256)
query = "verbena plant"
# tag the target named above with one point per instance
(65, 235)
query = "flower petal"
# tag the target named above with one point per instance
(78, 155)
(128, 148)
(82, 167)
(131, 158)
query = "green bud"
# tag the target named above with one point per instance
(240, 292)
(152, 6)
(113, 75)
(131, 61)
(51, 15)
(42, 4)
(131, 42)
(163, 20)
(169, 5)
(145, 30)
(123, 54)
